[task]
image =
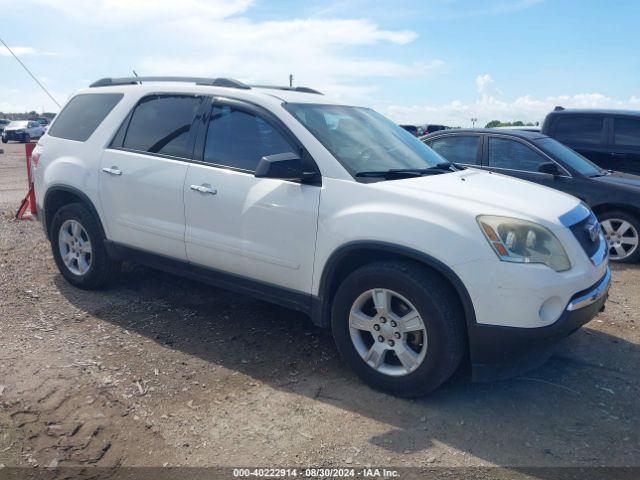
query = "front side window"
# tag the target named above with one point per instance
(162, 124)
(627, 132)
(458, 148)
(362, 140)
(239, 139)
(579, 129)
(513, 155)
(83, 115)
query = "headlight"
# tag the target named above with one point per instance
(521, 241)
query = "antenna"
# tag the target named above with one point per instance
(29, 72)
(291, 80)
(134, 72)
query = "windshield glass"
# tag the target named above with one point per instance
(363, 140)
(568, 156)
(18, 124)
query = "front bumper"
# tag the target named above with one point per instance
(499, 352)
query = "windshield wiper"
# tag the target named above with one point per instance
(444, 167)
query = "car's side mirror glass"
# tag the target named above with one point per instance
(549, 168)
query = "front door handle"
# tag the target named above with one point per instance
(204, 188)
(112, 171)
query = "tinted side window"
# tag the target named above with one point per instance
(505, 153)
(579, 129)
(162, 124)
(627, 132)
(458, 149)
(83, 114)
(240, 139)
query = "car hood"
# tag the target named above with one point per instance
(475, 192)
(619, 178)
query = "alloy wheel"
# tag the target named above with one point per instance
(388, 332)
(621, 236)
(75, 247)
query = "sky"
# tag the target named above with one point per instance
(425, 61)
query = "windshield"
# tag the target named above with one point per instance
(18, 124)
(568, 156)
(363, 140)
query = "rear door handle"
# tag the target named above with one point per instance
(112, 171)
(204, 188)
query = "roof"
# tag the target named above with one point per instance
(600, 111)
(513, 133)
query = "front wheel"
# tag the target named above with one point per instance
(399, 326)
(4, 140)
(622, 232)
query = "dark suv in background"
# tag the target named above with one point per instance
(609, 138)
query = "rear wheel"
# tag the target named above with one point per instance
(622, 232)
(26, 138)
(399, 326)
(78, 248)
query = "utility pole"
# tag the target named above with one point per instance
(291, 80)
(473, 122)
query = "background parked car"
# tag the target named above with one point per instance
(414, 130)
(3, 123)
(22, 131)
(613, 196)
(609, 138)
(44, 121)
(430, 128)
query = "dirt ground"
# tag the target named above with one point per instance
(161, 371)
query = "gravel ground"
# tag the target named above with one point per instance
(158, 370)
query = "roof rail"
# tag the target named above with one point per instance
(216, 82)
(291, 89)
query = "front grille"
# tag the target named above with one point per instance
(583, 232)
(10, 135)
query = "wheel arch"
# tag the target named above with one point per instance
(351, 256)
(58, 196)
(623, 207)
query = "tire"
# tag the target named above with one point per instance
(611, 222)
(440, 312)
(26, 138)
(4, 140)
(101, 269)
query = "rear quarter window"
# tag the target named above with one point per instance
(579, 129)
(627, 132)
(83, 115)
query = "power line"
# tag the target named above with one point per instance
(29, 72)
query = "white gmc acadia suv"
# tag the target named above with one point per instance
(414, 263)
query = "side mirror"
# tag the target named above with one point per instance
(549, 168)
(284, 166)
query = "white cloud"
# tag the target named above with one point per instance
(489, 107)
(218, 38)
(25, 100)
(132, 10)
(318, 52)
(22, 51)
(486, 87)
